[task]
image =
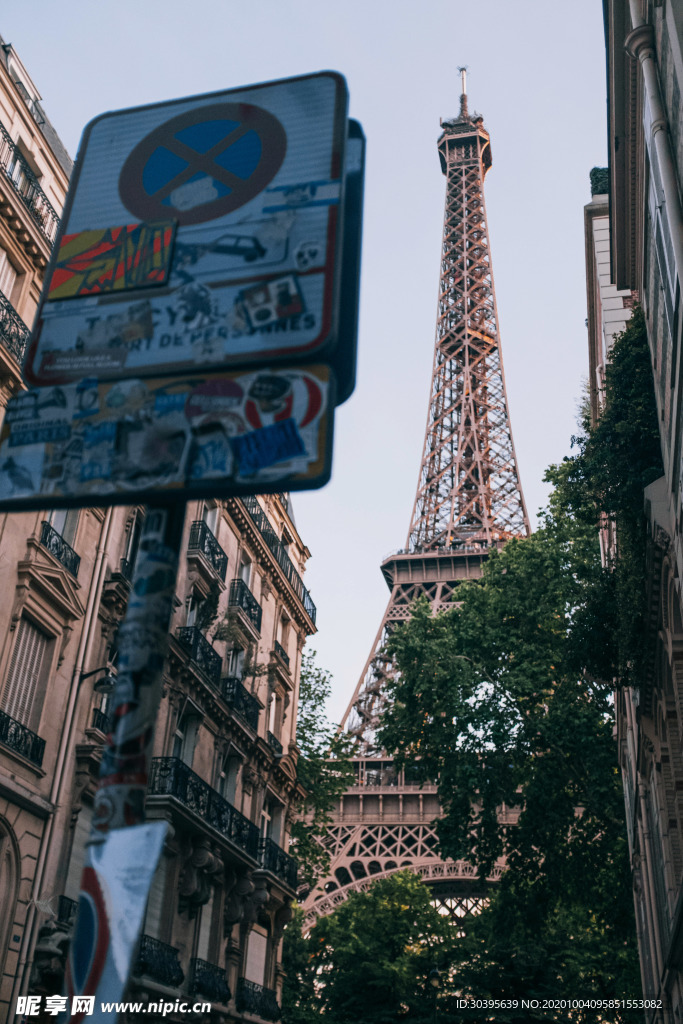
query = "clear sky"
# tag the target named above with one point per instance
(536, 73)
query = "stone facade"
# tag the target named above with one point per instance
(224, 771)
(634, 248)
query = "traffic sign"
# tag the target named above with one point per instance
(135, 440)
(251, 184)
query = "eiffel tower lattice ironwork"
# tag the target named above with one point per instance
(469, 499)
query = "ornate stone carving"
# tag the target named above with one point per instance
(200, 871)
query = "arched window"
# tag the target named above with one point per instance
(9, 883)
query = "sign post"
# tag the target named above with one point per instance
(197, 329)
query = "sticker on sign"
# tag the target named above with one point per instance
(235, 202)
(111, 442)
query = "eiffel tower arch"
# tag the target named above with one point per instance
(469, 500)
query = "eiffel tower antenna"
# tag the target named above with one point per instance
(469, 500)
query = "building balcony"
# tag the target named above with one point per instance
(14, 333)
(274, 743)
(100, 720)
(277, 548)
(57, 546)
(261, 1002)
(172, 777)
(66, 911)
(274, 859)
(203, 543)
(126, 569)
(240, 700)
(209, 981)
(25, 184)
(281, 653)
(158, 961)
(201, 652)
(21, 740)
(242, 598)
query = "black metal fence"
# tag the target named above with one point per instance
(281, 557)
(201, 652)
(57, 546)
(25, 183)
(202, 539)
(21, 739)
(241, 597)
(172, 777)
(240, 700)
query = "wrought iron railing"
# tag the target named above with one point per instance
(202, 539)
(57, 546)
(241, 597)
(209, 980)
(281, 653)
(13, 331)
(201, 652)
(159, 961)
(172, 777)
(274, 742)
(240, 700)
(100, 720)
(253, 998)
(25, 183)
(274, 859)
(66, 911)
(21, 739)
(281, 557)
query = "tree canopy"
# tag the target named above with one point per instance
(323, 769)
(369, 962)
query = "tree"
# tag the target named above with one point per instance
(323, 770)
(369, 961)
(489, 700)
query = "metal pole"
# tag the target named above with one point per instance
(123, 852)
(143, 642)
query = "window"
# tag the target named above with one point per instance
(65, 522)
(257, 951)
(133, 532)
(8, 275)
(274, 716)
(77, 858)
(156, 901)
(194, 603)
(210, 517)
(245, 568)
(229, 769)
(236, 662)
(204, 938)
(186, 736)
(271, 820)
(27, 669)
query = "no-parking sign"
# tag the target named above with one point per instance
(198, 324)
(203, 233)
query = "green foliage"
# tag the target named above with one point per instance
(616, 459)
(323, 769)
(369, 961)
(490, 699)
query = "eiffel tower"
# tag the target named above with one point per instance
(469, 500)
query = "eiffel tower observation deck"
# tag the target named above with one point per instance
(469, 500)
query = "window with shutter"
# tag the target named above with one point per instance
(156, 902)
(257, 950)
(26, 670)
(204, 941)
